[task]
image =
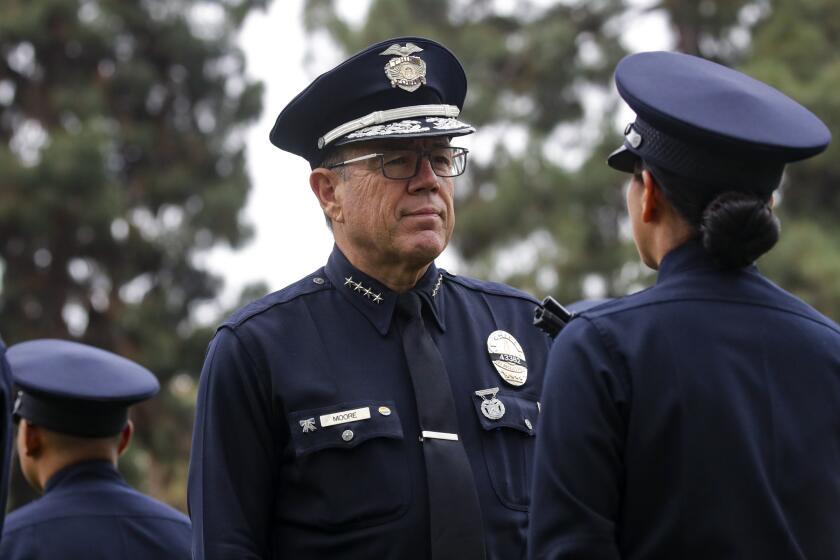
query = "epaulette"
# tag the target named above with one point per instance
(488, 287)
(315, 282)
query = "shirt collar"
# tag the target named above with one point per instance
(689, 256)
(377, 302)
(84, 470)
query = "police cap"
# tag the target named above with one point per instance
(700, 120)
(76, 389)
(406, 87)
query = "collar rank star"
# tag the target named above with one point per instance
(367, 292)
(507, 357)
(405, 71)
(492, 408)
(308, 425)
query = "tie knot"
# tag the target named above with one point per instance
(409, 304)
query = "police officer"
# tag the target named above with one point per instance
(699, 418)
(5, 430)
(380, 407)
(72, 414)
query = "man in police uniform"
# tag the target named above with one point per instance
(72, 426)
(697, 419)
(5, 430)
(380, 407)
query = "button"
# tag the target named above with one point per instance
(384, 411)
(528, 424)
(347, 435)
(318, 280)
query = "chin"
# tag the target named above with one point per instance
(425, 248)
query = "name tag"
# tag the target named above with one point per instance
(345, 416)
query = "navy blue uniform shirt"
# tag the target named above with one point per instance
(6, 432)
(88, 512)
(268, 480)
(699, 419)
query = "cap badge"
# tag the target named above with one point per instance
(507, 357)
(492, 407)
(633, 138)
(405, 71)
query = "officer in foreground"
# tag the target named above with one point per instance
(6, 432)
(699, 418)
(380, 407)
(72, 414)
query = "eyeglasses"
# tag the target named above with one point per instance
(405, 164)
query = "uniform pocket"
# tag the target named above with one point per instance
(509, 448)
(350, 466)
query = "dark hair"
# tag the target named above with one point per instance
(736, 227)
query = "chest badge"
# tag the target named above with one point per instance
(507, 357)
(405, 71)
(491, 407)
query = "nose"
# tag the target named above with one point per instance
(425, 178)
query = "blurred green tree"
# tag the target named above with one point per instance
(537, 209)
(543, 212)
(121, 161)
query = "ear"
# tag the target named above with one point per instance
(324, 183)
(125, 437)
(650, 197)
(33, 439)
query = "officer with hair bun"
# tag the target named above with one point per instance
(699, 418)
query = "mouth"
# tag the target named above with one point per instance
(425, 212)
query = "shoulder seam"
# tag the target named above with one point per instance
(607, 312)
(262, 309)
(488, 287)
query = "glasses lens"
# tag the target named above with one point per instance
(445, 162)
(448, 162)
(399, 164)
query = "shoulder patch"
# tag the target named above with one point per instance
(315, 282)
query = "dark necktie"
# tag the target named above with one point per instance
(454, 512)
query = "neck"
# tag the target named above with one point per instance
(397, 275)
(666, 234)
(50, 466)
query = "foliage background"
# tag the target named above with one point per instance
(122, 160)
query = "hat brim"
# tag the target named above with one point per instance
(623, 160)
(420, 127)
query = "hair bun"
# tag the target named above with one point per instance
(738, 227)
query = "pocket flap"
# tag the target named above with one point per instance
(343, 425)
(520, 413)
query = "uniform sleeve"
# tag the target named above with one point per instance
(577, 467)
(6, 433)
(233, 464)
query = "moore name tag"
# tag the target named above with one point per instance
(345, 416)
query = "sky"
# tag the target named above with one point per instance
(291, 239)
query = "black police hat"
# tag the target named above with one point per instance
(407, 87)
(76, 389)
(700, 120)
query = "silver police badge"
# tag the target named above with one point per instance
(491, 408)
(405, 71)
(507, 357)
